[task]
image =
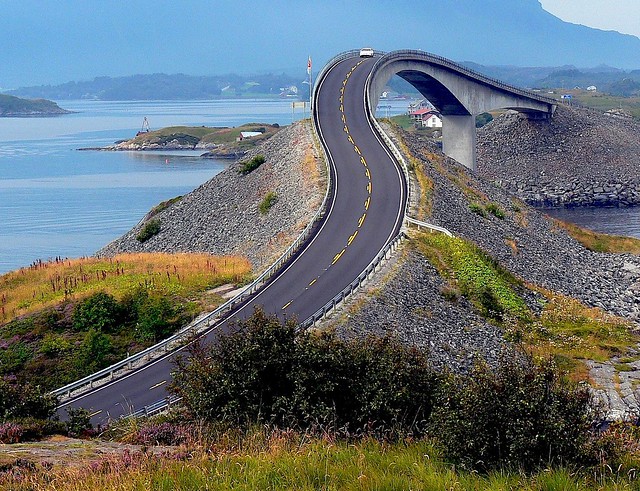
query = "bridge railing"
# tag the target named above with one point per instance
(440, 60)
(203, 324)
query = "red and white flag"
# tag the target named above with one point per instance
(309, 66)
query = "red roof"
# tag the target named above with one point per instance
(424, 112)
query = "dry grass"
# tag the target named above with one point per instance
(572, 332)
(599, 242)
(45, 284)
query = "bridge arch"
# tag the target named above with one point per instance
(460, 94)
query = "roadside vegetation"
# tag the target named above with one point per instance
(271, 407)
(564, 328)
(599, 242)
(63, 319)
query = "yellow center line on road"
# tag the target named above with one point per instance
(93, 414)
(361, 221)
(368, 173)
(287, 304)
(355, 147)
(341, 108)
(367, 203)
(346, 129)
(369, 187)
(351, 140)
(157, 385)
(313, 281)
(352, 237)
(344, 119)
(364, 162)
(337, 257)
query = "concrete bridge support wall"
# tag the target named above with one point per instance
(459, 139)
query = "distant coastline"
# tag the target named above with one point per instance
(217, 143)
(15, 107)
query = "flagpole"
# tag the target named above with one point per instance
(309, 69)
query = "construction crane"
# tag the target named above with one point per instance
(145, 127)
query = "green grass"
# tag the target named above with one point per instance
(604, 102)
(267, 203)
(288, 461)
(566, 329)
(478, 277)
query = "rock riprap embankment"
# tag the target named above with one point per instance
(410, 303)
(223, 215)
(581, 157)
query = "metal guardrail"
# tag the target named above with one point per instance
(200, 325)
(206, 322)
(370, 270)
(428, 226)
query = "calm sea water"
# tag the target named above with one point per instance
(58, 201)
(615, 221)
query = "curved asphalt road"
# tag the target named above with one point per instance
(365, 213)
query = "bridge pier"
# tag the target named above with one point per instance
(459, 139)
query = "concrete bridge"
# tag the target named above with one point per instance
(460, 94)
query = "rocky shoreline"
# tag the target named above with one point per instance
(529, 158)
(222, 217)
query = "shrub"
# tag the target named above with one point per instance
(270, 373)
(149, 229)
(155, 317)
(79, 422)
(269, 200)
(478, 209)
(161, 434)
(99, 311)
(25, 400)
(10, 432)
(495, 210)
(521, 415)
(94, 351)
(252, 164)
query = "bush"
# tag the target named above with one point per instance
(149, 229)
(270, 373)
(495, 210)
(252, 164)
(10, 432)
(161, 434)
(93, 353)
(79, 423)
(522, 415)
(269, 200)
(24, 401)
(99, 311)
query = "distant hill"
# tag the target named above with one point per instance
(15, 107)
(160, 86)
(224, 38)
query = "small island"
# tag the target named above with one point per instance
(15, 107)
(215, 142)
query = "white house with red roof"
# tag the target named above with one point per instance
(428, 118)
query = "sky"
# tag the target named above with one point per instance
(617, 15)
(56, 41)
